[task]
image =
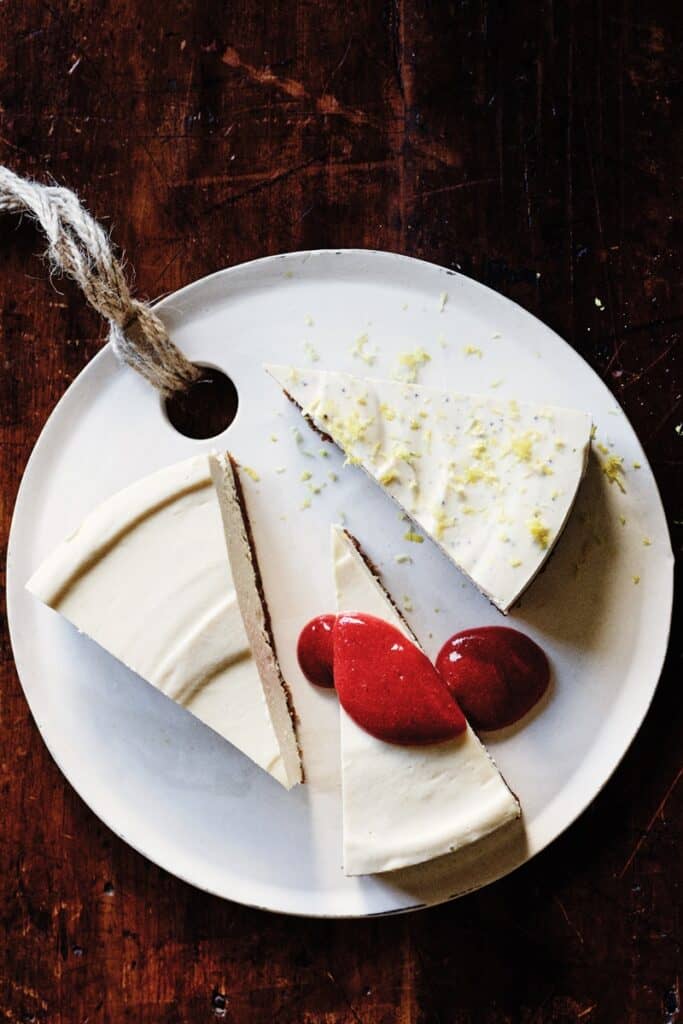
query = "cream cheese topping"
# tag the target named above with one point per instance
(491, 481)
(147, 576)
(405, 805)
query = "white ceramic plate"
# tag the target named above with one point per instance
(171, 788)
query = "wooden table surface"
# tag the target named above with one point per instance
(535, 146)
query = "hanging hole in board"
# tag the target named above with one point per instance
(207, 408)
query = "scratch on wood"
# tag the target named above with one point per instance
(168, 264)
(646, 369)
(257, 178)
(475, 183)
(326, 103)
(27, 990)
(650, 825)
(571, 924)
(340, 988)
(262, 183)
(654, 431)
(407, 1009)
(264, 76)
(339, 65)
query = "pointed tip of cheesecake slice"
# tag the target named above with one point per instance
(356, 578)
(227, 477)
(406, 805)
(146, 576)
(491, 482)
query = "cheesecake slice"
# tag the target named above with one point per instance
(403, 805)
(147, 575)
(491, 481)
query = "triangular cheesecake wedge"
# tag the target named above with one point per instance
(403, 805)
(147, 576)
(491, 481)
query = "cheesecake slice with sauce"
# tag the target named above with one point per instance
(405, 804)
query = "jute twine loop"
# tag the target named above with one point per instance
(80, 248)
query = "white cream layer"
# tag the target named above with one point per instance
(405, 805)
(147, 576)
(492, 481)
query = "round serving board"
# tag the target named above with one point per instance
(170, 787)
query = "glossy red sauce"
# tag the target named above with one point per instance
(496, 674)
(385, 683)
(315, 650)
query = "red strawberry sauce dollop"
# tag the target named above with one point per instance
(496, 674)
(388, 686)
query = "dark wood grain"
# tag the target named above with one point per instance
(537, 147)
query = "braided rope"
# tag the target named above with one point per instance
(80, 248)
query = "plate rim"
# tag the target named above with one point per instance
(634, 722)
